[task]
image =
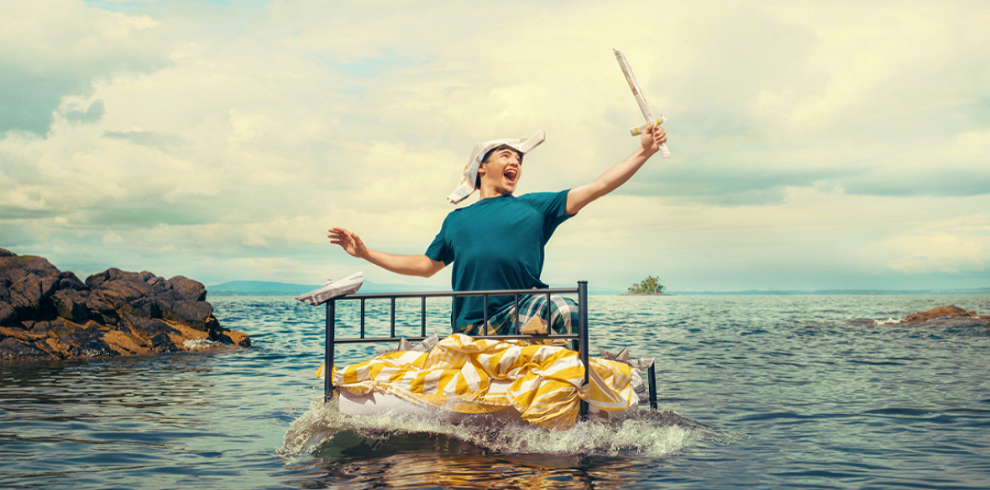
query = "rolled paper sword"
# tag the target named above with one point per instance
(643, 106)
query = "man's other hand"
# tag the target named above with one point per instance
(348, 241)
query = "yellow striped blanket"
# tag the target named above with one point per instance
(456, 374)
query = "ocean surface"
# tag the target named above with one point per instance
(755, 392)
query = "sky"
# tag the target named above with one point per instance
(815, 145)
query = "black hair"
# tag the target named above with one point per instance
(477, 179)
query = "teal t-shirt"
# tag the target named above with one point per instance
(497, 243)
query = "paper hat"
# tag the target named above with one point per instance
(466, 185)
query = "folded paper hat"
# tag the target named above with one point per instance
(466, 185)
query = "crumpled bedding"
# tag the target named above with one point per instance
(456, 374)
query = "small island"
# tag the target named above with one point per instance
(648, 287)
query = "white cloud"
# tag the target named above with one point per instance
(112, 238)
(972, 144)
(954, 246)
(57, 49)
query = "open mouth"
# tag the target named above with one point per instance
(511, 174)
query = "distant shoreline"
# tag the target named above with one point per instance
(261, 288)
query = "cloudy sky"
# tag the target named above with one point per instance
(816, 145)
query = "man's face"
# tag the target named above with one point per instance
(502, 170)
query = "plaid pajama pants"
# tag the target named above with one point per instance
(564, 317)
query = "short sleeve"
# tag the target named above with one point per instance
(553, 207)
(440, 249)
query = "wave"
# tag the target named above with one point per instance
(324, 432)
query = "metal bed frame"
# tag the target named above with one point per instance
(582, 336)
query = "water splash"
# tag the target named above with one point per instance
(325, 432)
(199, 344)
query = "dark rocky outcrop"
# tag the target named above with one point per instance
(49, 314)
(945, 313)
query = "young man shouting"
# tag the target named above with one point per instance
(498, 242)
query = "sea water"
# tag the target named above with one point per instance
(755, 392)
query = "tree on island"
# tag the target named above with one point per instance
(650, 285)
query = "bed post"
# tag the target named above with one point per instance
(583, 339)
(652, 373)
(328, 366)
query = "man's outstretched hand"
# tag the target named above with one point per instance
(348, 241)
(410, 265)
(652, 138)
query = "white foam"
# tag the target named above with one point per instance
(197, 344)
(885, 322)
(645, 434)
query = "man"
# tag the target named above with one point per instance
(498, 242)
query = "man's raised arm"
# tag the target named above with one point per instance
(650, 142)
(410, 265)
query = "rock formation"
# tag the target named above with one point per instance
(49, 314)
(945, 312)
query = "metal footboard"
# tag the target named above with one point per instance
(582, 336)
